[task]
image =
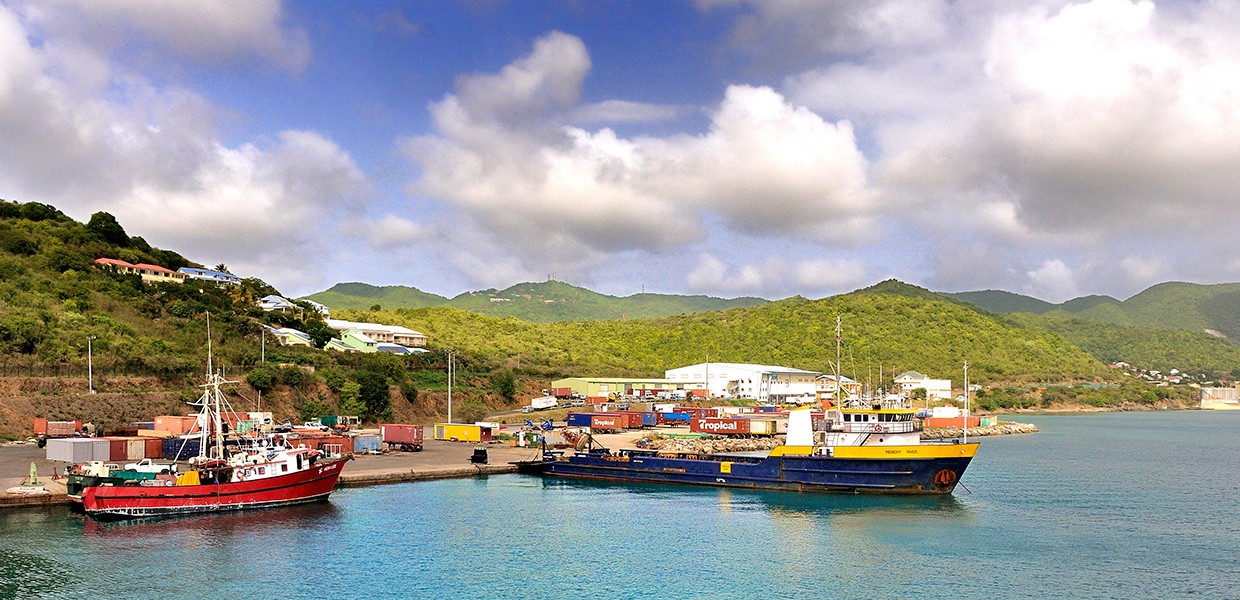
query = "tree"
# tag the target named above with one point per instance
(351, 398)
(505, 384)
(105, 226)
(262, 379)
(375, 396)
(319, 332)
(223, 268)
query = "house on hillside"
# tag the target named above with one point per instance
(393, 334)
(287, 336)
(216, 277)
(148, 273)
(940, 389)
(276, 303)
(321, 308)
(358, 341)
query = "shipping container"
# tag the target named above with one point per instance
(675, 418)
(462, 433)
(154, 448)
(183, 449)
(952, 421)
(78, 450)
(402, 436)
(57, 429)
(178, 425)
(118, 449)
(367, 443)
(768, 409)
(154, 433)
(608, 422)
(561, 392)
(764, 426)
(720, 426)
(135, 449)
(333, 445)
(578, 419)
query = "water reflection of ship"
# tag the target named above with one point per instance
(774, 501)
(243, 522)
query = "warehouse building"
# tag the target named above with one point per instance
(603, 387)
(767, 384)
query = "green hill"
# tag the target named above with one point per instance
(894, 333)
(1172, 305)
(1001, 302)
(361, 296)
(1143, 347)
(541, 302)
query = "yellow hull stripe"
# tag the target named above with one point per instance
(892, 452)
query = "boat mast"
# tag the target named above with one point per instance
(966, 401)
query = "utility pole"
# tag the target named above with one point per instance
(966, 401)
(451, 373)
(90, 367)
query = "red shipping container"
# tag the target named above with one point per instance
(719, 426)
(951, 421)
(632, 420)
(47, 428)
(394, 433)
(607, 422)
(154, 447)
(118, 449)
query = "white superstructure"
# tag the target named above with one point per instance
(764, 383)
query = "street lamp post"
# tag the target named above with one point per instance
(90, 366)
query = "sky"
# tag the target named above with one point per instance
(721, 147)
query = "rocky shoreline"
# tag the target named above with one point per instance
(1003, 428)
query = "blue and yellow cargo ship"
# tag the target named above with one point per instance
(874, 448)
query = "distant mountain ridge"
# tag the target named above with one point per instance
(537, 302)
(1180, 305)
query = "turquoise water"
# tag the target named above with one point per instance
(1136, 505)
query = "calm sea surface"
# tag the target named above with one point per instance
(1136, 505)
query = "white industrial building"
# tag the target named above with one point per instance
(940, 389)
(765, 383)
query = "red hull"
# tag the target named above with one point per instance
(123, 502)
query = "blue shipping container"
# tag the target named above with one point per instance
(179, 449)
(650, 419)
(579, 419)
(675, 417)
(366, 443)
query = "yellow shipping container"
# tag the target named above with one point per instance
(462, 433)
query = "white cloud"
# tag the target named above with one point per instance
(829, 275)
(1052, 281)
(624, 111)
(775, 277)
(557, 192)
(388, 233)
(210, 31)
(151, 155)
(1145, 270)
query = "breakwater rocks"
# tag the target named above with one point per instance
(1003, 428)
(713, 445)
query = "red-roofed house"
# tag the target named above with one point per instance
(154, 273)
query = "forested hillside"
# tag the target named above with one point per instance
(894, 333)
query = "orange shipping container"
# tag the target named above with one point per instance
(952, 421)
(154, 447)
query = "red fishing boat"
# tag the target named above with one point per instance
(222, 477)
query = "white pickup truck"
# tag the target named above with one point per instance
(147, 465)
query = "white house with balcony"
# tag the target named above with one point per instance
(392, 334)
(940, 389)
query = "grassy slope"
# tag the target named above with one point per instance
(1146, 348)
(931, 336)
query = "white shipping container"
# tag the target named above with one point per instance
(77, 450)
(135, 450)
(757, 427)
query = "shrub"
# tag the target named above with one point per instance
(263, 378)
